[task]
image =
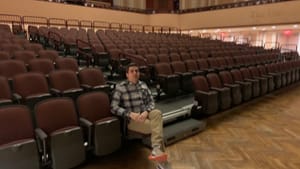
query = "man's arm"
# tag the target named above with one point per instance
(116, 102)
(150, 105)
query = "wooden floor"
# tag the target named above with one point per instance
(261, 134)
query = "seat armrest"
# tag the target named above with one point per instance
(241, 82)
(55, 92)
(111, 84)
(41, 141)
(231, 85)
(16, 97)
(259, 78)
(84, 122)
(87, 125)
(40, 134)
(85, 86)
(204, 93)
(251, 80)
(217, 89)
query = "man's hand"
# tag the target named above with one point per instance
(134, 116)
(143, 116)
(138, 117)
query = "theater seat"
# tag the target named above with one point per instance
(205, 98)
(224, 93)
(5, 92)
(167, 81)
(255, 82)
(236, 93)
(102, 128)
(246, 86)
(31, 87)
(59, 132)
(18, 148)
(93, 79)
(65, 83)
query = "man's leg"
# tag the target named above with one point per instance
(153, 125)
(156, 123)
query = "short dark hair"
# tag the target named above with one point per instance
(132, 64)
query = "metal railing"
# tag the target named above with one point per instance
(24, 21)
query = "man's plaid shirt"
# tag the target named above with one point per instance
(129, 97)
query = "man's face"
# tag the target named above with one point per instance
(133, 74)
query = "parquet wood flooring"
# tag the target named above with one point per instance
(261, 134)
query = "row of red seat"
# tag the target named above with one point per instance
(31, 87)
(222, 90)
(58, 133)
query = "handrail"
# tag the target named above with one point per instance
(272, 45)
(59, 22)
(230, 5)
(6, 18)
(86, 24)
(288, 47)
(72, 23)
(258, 43)
(35, 20)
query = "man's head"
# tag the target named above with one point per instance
(132, 73)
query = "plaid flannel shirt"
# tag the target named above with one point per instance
(128, 97)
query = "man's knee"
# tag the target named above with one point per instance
(154, 114)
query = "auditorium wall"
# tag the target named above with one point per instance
(277, 13)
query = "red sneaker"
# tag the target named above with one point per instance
(158, 155)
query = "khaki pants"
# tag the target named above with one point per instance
(152, 125)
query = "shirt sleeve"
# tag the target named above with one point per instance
(149, 101)
(116, 103)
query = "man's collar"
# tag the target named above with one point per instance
(128, 82)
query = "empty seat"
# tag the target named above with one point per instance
(11, 48)
(263, 73)
(104, 134)
(179, 68)
(185, 56)
(164, 58)
(101, 57)
(66, 64)
(271, 70)
(263, 81)
(206, 99)
(65, 83)
(41, 65)
(24, 55)
(174, 57)
(224, 93)
(93, 79)
(192, 66)
(4, 55)
(246, 86)
(167, 81)
(236, 93)
(60, 133)
(31, 87)
(18, 148)
(48, 54)
(10, 68)
(35, 47)
(5, 92)
(204, 66)
(255, 82)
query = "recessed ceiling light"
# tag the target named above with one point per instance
(254, 28)
(295, 26)
(273, 27)
(263, 29)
